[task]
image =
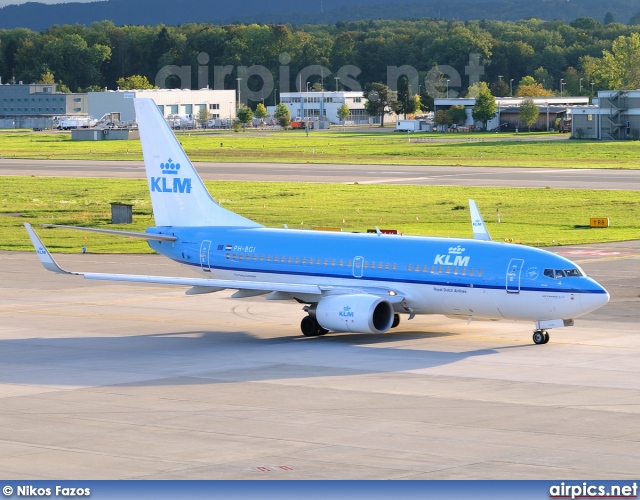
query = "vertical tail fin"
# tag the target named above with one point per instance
(178, 195)
(480, 231)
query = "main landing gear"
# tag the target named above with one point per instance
(540, 337)
(311, 328)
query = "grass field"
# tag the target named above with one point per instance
(346, 147)
(539, 217)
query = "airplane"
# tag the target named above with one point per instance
(347, 282)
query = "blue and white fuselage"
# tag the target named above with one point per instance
(350, 282)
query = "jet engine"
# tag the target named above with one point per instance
(354, 313)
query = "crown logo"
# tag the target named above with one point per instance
(456, 250)
(347, 308)
(169, 167)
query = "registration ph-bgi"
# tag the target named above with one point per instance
(60, 491)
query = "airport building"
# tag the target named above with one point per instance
(37, 104)
(323, 106)
(508, 116)
(614, 115)
(171, 102)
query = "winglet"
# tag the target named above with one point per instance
(480, 231)
(43, 254)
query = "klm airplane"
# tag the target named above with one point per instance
(348, 282)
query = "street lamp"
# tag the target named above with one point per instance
(500, 77)
(562, 82)
(581, 84)
(307, 86)
(511, 87)
(448, 88)
(239, 94)
(591, 88)
(337, 79)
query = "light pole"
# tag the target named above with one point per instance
(561, 87)
(511, 87)
(239, 95)
(307, 86)
(581, 84)
(337, 79)
(591, 88)
(448, 88)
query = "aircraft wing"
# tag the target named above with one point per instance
(201, 285)
(277, 291)
(480, 231)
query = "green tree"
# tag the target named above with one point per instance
(203, 116)
(456, 114)
(47, 77)
(532, 90)
(500, 88)
(528, 113)
(245, 115)
(135, 82)
(380, 100)
(261, 111)
(608, 18)
(407, 102)
(283, 115)
(618, 69)
(343, 112)
(485, 107)
(442, 118)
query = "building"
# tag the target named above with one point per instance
(508, 115)
(323, 106)
(171, 102)
(614, 115)
(37, 104)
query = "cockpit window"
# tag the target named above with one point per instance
(562, 273)
(572, 272)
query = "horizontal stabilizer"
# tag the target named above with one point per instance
(130, 234)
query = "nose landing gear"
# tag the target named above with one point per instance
(540, 337)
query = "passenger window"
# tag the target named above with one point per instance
(282, 259)
(379, 265)
(318, 261)
(479, 272)
(455, 270)
(349, 263)
(439, 269)
(425, 269)
(394, 267)
(268, 258)
(289, 260)
(448, 271)
(417, 268)
(464, 271)
(228, 256)
(333, 262)
(241, 256)
(233, 257)
(433, 269)
(386, 266)
(304, 260)
(261, 258)
(409, 267)
(340, 263)
(326, 261)
(365, 265)
(255, 257)
(296, 260)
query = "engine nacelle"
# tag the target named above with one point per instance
(354, 313)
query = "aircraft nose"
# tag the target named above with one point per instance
(594, 300)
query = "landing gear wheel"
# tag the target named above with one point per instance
(540, 337)
(310, 327)
(396, 321)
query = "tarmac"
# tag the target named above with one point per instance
(104, 380)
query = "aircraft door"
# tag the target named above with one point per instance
(513, 275)
(204, 255)
(358, 266)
